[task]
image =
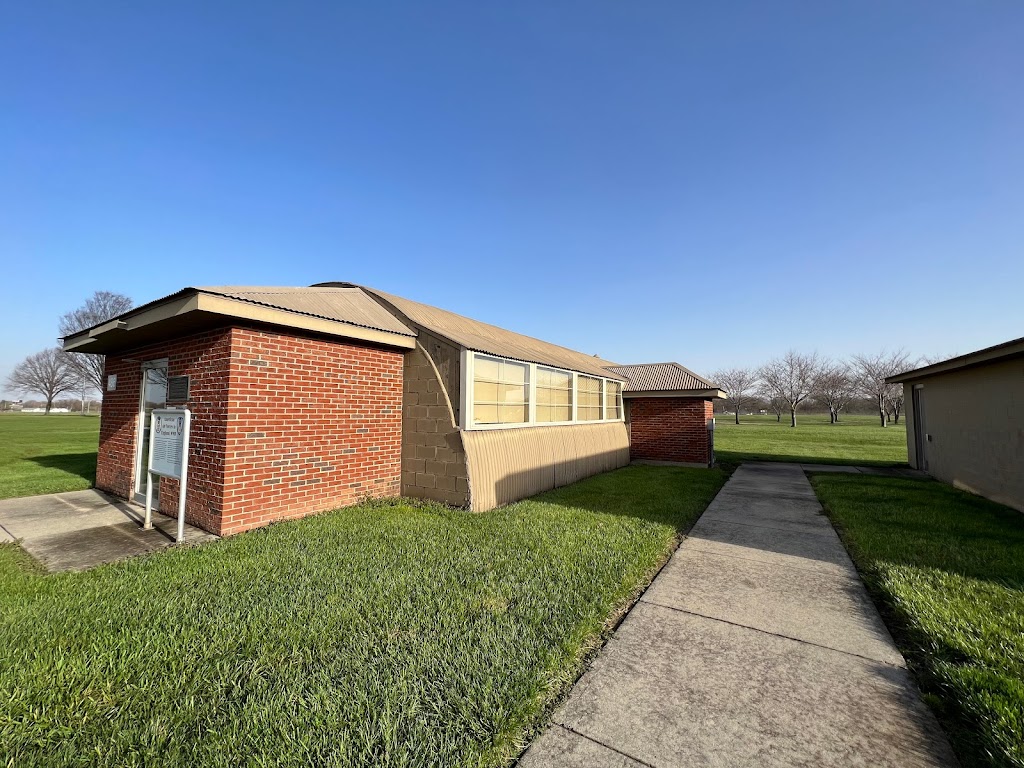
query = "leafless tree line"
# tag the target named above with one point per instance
(787, 382)
(54, 372)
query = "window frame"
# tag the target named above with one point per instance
(468, 380)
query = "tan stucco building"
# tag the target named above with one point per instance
(965, 421)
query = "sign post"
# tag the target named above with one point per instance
(168, 457)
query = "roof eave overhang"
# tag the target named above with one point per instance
(701, 394)
(196, 310)
(1007, 351)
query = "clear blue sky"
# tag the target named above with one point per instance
(711, 183)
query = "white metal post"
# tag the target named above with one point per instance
(149, 475)
(183, 480)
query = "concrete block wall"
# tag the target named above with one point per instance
(672, 429)
(433, 457)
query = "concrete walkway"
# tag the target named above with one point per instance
(79, 530)
(757, 645)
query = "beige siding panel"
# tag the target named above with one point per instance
(506, 465)
(975, 417)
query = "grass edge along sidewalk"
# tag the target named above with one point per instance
(946, 570)
(389, 633)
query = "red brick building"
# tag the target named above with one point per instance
(307, 399)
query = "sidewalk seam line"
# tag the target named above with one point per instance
(626, 755)
(771, 527)
(853, 576)
(774, 634)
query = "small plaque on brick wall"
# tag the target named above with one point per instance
(177, 389)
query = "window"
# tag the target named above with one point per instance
(613, 401)
(588, 398)
(554, 395)
(501, 391)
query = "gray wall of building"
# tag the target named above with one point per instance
(433, 458)
(975, 418)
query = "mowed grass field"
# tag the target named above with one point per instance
(856, 439)
(47, 454)
(385, 634)
(947, 570)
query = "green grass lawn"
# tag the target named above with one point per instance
(854, 440)
(947, 570)
(386, 634)
(47, 454)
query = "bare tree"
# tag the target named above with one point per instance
(98, 308)
(739, 385)
(776, 405)
(792, 378)
(47, 373)
(835, 387)
(871, 372)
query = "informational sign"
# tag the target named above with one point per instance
(168, 457)
(167, 437)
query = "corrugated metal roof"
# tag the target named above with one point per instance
(483, 337)
(346, 305)
(660, 377)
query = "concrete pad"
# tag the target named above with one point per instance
(797, 549)
(82, 529)
(828, 609)
(559, 747)
(675, 689)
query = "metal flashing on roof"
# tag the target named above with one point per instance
(1006, 350)
(345, 305)
(330, 311)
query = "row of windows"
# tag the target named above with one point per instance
(503, 390)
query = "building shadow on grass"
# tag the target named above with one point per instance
(81, 464)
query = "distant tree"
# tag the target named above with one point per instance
(98, 308)
(835, 387)
(791, 378)
(871, 372)
(777, 406)
(47, 373)
(739, 385)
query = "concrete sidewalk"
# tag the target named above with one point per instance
(757, 645)
(82, 529)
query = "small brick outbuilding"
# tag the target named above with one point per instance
(307, 399)
(669, 414)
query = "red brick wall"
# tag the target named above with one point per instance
(283, 426)
(205, 357)
(669, 429)
(312, 425)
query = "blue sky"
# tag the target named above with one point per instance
(708, 183)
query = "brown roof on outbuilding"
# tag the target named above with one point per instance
(660, 377)
(346, 313)
(483, 337)
(346, 305)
